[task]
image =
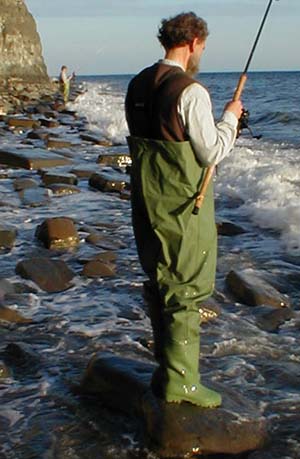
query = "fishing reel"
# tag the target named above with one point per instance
(244, 124)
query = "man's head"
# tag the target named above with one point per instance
(181, 30)
(186, 30)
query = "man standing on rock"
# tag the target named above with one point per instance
(173, 138)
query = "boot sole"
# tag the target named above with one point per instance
(181, 400)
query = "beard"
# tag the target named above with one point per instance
(193, 66)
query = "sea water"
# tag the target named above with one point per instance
(264, 173)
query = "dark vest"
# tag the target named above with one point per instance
(151, 103)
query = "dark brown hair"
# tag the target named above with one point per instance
(181, 30)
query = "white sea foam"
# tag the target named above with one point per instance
(266, 177)
(104, 111)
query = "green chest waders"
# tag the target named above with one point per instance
(178, 252)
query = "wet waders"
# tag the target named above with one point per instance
(178, 252)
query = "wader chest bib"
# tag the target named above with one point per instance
(176, 248)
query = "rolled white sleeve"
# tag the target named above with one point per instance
(211, 142)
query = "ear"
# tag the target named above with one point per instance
(193, 44)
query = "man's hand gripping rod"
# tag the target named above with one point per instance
(237, 95)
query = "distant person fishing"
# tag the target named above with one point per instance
(64, 81)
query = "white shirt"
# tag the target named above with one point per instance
(211, 142)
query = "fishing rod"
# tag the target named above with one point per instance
(237, 95)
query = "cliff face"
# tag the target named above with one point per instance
(20, 44)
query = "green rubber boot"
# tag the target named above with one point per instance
(177, 379)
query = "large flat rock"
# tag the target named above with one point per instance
(174, 430)
(35, 158)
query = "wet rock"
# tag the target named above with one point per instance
(49, 123)
(61, 189)
(26, 123)
(287, 375)
(10, 315)
(4, 373)
(83, 173)
(34, 197)
(50, 275)
(103, 242)
(50, 178)
(229, 229)
(21, 288)
(249, 288)
(104, 183)
(209, 310)
(97, 268)
(7, 237)
(57, 143)
(24, 183)
(95, 238)
(38, 134)
(21, 358)
(58, 233)
(35, 158)
(125, 195)
(118, 160)
(106, 257)
(90, 137)
(41, 108)
(270, 319)
(175, 430)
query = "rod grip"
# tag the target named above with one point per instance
(202, 192)
(240, 87)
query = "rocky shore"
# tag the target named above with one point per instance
(47, 156)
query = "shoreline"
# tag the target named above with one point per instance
(68, 250)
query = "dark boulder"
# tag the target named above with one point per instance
(63, 189)
(229, 229)
(26, 123)
(175, 430)
(107, 183)
(49, 123)
(81, 172)
(4, 373)
(58, 233)
(96, 268)
(49, 178)
(50, 275)
(270, 319)
(10, 315)
(249, 288)
(7, 237)
(57, 143)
